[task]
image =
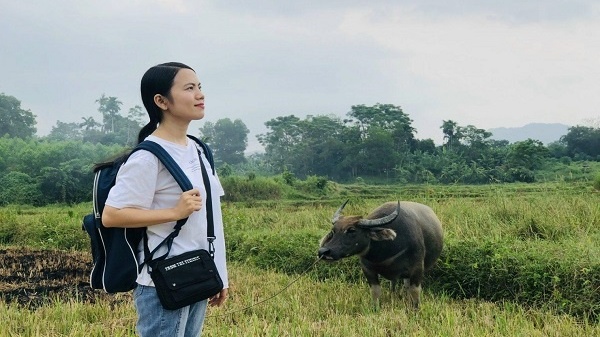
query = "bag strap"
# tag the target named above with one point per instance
(210, 224)
(207, 152)
(183, 182)
(209, 211)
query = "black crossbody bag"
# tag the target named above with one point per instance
(189, 277)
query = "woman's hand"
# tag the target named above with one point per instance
(189, 202)
(219, 298)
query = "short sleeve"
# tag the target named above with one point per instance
(136, 182)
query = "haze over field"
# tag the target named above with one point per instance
(499, 64)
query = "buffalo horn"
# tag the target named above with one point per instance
(336, 215)
(381, 221)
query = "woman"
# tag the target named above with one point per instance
(146, 195)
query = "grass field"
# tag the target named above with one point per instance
(519, 260)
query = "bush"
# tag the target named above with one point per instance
(532, 273)
(19, 188)
(240, 189)
(8, 226)
(314, 185)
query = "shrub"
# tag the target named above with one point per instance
(534, 273)
(288, 177)
(239, 189)
(8, 226)
(314, 185)
(19, 188)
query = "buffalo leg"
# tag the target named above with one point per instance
(413, 287)
(373, 279)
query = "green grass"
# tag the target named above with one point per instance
(519, 260)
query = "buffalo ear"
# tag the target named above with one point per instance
(382, 234)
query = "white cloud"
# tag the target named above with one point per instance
(489, 72)
(491, 65)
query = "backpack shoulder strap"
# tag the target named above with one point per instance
(207, 152)
(168, 161)
(181, 179)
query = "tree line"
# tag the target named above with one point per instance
(375, 143)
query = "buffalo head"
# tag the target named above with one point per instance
(351, 235)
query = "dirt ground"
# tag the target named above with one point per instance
(32, 278)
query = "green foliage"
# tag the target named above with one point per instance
(228, 140)
(532, 244)
(582, 142)
(240, 189)
(528, 154)
(288, 177)
(39, 172)
(533, 273)
(14, 121)
(19, 188)
(225, 170)
(9, 226)
(315, 185)
(65, 131)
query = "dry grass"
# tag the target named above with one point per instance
(307, 308)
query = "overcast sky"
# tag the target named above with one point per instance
(484, 63)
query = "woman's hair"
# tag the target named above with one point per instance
(157, 80)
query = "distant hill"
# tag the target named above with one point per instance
(546, 133)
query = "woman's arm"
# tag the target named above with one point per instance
(189, 202)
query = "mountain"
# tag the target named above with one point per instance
(546, 133)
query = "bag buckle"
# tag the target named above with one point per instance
(211, 246)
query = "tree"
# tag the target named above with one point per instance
(137, 115)
(451, 133)
(475, 142)
(109, 108)
(386, 117)
(89, 123)
(582, 141)
(281, 141)
(321, 150)
(378, 156)
(528, 154)
(14, 121)
(18, 188)
(91, 130)
(65, 131)
(228, 140)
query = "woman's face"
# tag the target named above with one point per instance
(187, 100)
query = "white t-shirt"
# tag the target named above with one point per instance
(143, 182)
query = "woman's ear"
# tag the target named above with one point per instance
(160, 101)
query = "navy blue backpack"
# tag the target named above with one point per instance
(114, 250)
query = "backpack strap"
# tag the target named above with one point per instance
(170, 164)
(207, 152)
(183, 182)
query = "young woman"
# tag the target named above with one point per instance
(146, 195)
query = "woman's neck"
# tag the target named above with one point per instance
(171, 134)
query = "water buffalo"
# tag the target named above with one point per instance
(397, 240)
